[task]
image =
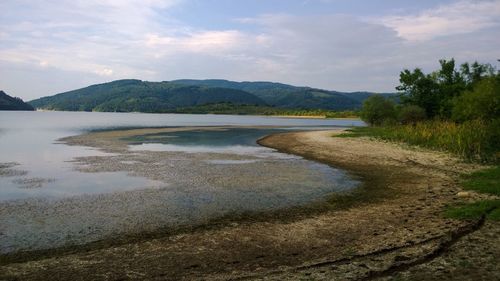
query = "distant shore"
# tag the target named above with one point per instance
(299, 116)
(223, 113)
(313, 117)
(393, 220)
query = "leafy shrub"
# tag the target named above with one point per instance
(378, 110)
(411, 114)
(483, 101)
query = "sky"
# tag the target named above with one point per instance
(48, 47)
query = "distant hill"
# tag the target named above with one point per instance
(11, 103)
(288, 96)
(142, 96)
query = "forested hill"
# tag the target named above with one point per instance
(288, 96)
(11, 103)
(143, 96)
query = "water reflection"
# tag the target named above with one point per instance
(29, 139)
(52, 194)
(44, 168)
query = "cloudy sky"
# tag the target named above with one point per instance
(47, 47)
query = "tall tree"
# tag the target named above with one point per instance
(436, 91)
(419, 89)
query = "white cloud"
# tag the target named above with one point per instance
(456, 18)
(44, 63)
(199, 42)
(104, 72)
(79, 35)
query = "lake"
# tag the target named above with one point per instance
(53, 194)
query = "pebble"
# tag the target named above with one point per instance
(464, 194)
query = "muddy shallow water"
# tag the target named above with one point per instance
(30, 148)
(84, 192)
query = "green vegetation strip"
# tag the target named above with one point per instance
(485, 181)
(474, 140)
(476, 210)
(229, 108)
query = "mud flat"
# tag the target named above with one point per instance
(391, 224)
(148, 183)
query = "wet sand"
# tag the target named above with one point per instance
(393, 221)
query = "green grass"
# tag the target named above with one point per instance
(474, 140)
(485, 181)
(495, 214)
(359, 132)
(489, 208)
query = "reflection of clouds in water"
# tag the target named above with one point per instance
(192, 184)
(127, 162)
(32, 182)
(254, 151)
(160, 137)
(202, 186)
(230, 162)
(15, 185)
(30, 139)
(7, 170)
(40, 166)
(8, 165)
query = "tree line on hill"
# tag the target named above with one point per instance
(200, 96)
(13, 103)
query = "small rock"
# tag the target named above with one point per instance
(463, 194)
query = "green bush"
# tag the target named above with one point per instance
(378, 110)
(411, 114)
(463, 107)
(474, 140)
(483, 101)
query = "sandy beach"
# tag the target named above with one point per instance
(392, 224)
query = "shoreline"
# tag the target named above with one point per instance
(313, 117)
(396, 212)
(235, 113)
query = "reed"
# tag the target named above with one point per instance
(474, 140)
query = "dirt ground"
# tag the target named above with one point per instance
(391, 228)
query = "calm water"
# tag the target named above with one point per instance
(45, 201)
(29, 139)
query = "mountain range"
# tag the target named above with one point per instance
(142, 96)
(11, 103)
